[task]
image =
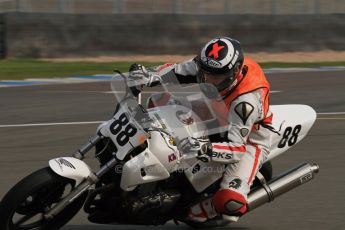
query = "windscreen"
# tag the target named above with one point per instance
(202, 109)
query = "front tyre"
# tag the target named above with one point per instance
(24, 206)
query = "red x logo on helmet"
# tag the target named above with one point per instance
(215, 50)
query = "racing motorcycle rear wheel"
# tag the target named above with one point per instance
(24, 206)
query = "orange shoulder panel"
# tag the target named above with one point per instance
(253, 80)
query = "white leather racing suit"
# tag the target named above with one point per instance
(244, 148)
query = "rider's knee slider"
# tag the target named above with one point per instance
(229, 202)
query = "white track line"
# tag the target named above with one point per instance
(152, 92)
(98, 122)
(331, 118)
(102, 77)
(51, 124)
(332, 113)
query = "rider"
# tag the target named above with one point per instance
(244, 90)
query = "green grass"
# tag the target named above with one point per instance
(22, 69)
(25, 68)
(297, 64)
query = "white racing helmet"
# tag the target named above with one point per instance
(219, 65)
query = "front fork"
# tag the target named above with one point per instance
(87, 183)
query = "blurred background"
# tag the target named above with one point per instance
(84, 28)
(177, 6)
(71, 41)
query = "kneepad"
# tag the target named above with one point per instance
(229, 202)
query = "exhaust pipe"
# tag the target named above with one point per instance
(281, 184)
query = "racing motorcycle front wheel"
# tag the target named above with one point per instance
(24, 206)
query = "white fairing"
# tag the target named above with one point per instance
(141, 169)
(71, 168)
(202, 175)
(292, 116)
(162, 157)
(154, 164)
(165, 151)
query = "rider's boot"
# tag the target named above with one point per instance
(205, 212)
(231, 204)
(230, 219)
(202, 211)
(228, 208)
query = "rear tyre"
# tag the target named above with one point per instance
(267, 170)
(24, 205)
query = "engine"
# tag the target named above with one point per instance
(154, 209)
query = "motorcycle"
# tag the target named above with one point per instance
(150, 169)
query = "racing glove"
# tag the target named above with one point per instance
(205, 152)
(139, 72)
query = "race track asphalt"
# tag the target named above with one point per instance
(317, 205)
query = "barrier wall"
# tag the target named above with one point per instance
(55, 35)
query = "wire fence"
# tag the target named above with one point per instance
(176, 6)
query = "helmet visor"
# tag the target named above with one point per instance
(220, 81)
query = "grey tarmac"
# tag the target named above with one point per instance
(316, 205)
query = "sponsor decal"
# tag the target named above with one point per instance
(196, 168)
(184, 117)
(306, 178)
(243, 110)
(213, 63)
(244, 132)
(233, 61)
(172, 157)
(64, 162)
(59, 164)
(261, 108)
(219, 53)
(171, 141)
(216, 48)
(222, 155)
(235, 183)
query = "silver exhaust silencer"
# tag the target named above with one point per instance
(281, 184)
